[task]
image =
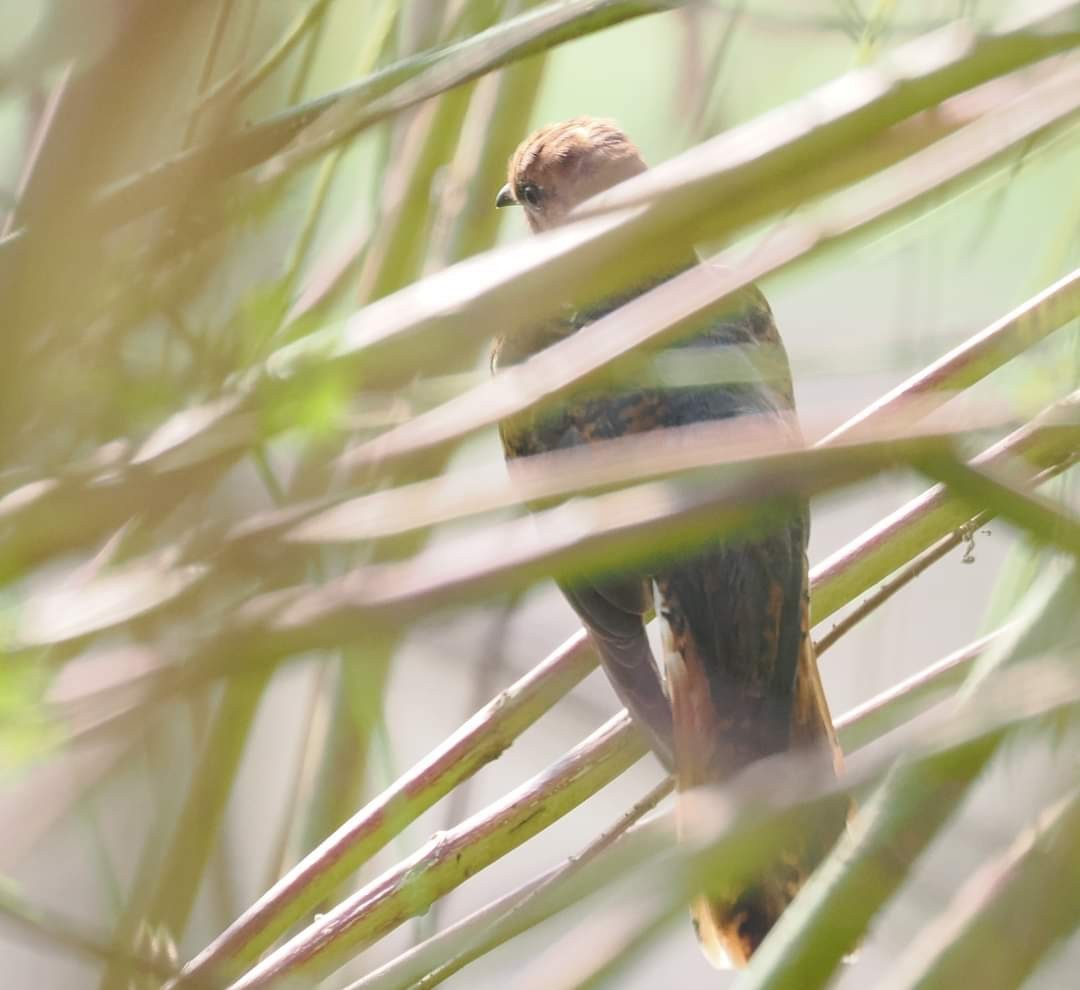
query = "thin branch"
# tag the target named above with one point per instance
(479, 741)
(906, 574)
(439, 957)
(487, 675)
(430, 963)
(899, 580)
(450, 857)
(978, 356)
(983, 486)
(911, 529)
(898, 705)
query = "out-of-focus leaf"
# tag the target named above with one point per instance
(25, 730)
(1007, 917)
(198, 435)
(904, 815)
(918, 524)
(577, 537)
(674, 308)
(1047, 621)
(55, 931)
(356, 704)
(474, 223)
(77, 608)
(980, 487)
(727, 451)
(237, 89)
(372, 98)
(434, 302)
(197, 828)
(48, 33)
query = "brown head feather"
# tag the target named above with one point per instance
(562, 165)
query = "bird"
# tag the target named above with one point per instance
(739, 679)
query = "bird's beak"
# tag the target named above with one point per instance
(505, 197)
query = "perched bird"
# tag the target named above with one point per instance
(739, 669)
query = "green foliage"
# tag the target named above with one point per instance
(26, 731)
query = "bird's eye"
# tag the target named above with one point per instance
(530, 194)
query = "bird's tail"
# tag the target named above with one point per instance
(732, 926)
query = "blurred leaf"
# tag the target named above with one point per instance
(262, 311)
(356, 700)
(904, 815)
(922, 521)
(1047, 621)
(671, 310)
(25, 731)
(236, 89)
(507, 105)
(197, 829)
(77, 608)
(983, 488)
(589, 537)
(371, 99)
(48, 33)
(224, 433)
(1007, 917)
(55, 932)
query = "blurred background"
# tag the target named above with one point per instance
(139, 296)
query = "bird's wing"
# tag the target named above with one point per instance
(733, 633)
(811, 715)
(614, 615)
(744, 685)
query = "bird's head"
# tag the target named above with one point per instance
(562, 165)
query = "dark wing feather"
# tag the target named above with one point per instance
(733, 613)
(614, 616)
